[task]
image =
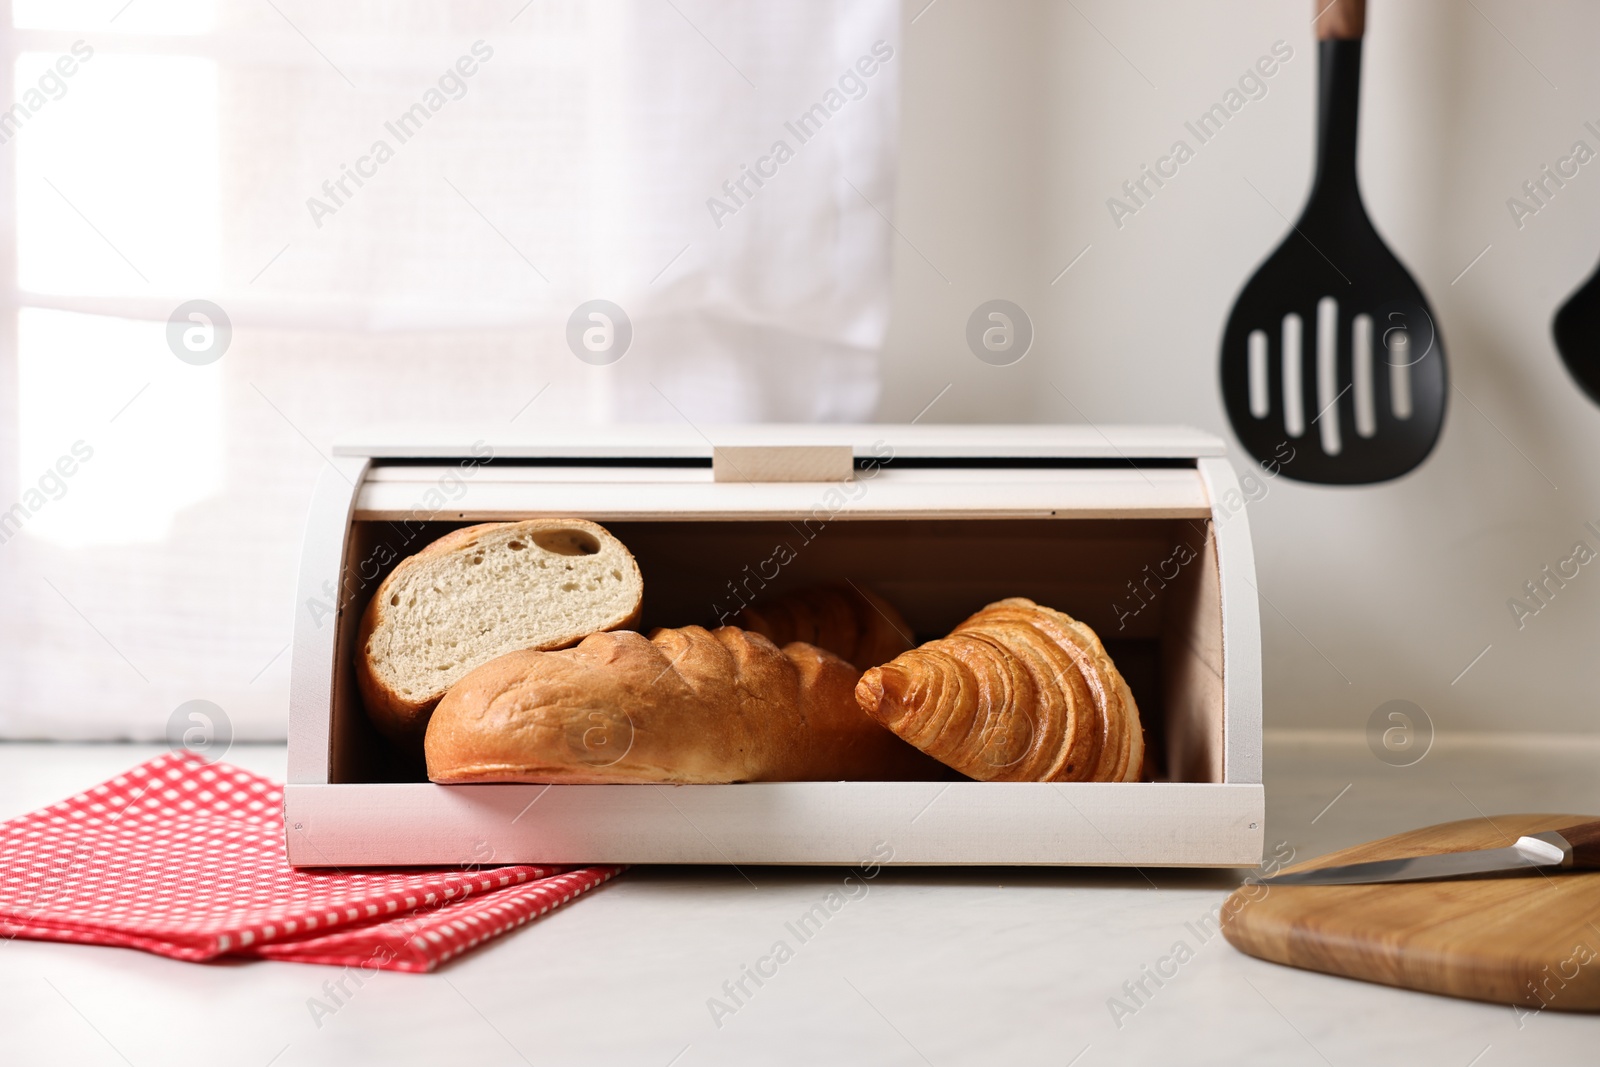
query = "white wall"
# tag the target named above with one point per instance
(1021, 119)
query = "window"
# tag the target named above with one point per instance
(390, 213)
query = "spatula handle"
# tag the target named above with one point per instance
(1585, 841)
(1340, 20)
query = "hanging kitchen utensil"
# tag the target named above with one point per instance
(1577, 332)
(1331, 349)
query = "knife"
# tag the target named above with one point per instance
(1574, 848)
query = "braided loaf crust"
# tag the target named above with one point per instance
(687, 705)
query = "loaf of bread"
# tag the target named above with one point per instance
(1016, 693)
(685, 706)
(478, 593)
(858, 626)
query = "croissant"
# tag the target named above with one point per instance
(857, 626)
(688, 705)
(1016, 693)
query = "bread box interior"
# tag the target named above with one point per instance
(1137, 547)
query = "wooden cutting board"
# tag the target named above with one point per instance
(1530, 940)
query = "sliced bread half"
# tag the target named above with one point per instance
(478, 593)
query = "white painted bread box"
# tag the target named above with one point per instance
(1138, 531)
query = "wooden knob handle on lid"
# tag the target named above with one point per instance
(1340, 20)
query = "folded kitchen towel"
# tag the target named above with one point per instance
(186, 859)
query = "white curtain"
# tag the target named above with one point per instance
(397, 207)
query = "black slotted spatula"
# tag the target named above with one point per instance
(1333, 369)
(1577, 332)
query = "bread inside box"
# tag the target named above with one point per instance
(1148, 587)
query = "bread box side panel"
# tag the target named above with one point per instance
(318, 603)
(1240, 621)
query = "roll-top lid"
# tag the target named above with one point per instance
(667, 441)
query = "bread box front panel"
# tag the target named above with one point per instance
(1139, 533)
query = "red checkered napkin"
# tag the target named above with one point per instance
(186, 859)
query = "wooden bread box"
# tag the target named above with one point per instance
(1138, 531)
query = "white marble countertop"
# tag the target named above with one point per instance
(930, 966)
